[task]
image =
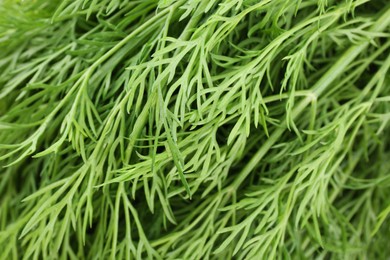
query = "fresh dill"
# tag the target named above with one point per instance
(194, 129)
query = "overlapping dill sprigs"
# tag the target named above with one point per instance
(193, 129)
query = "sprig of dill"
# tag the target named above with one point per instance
(192, 129)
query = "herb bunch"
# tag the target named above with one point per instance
(193, 129)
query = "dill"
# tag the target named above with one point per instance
(192, 129)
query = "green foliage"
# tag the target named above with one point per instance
(194, 129)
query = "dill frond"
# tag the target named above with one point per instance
(192, 129)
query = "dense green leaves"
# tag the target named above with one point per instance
(192, 129)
